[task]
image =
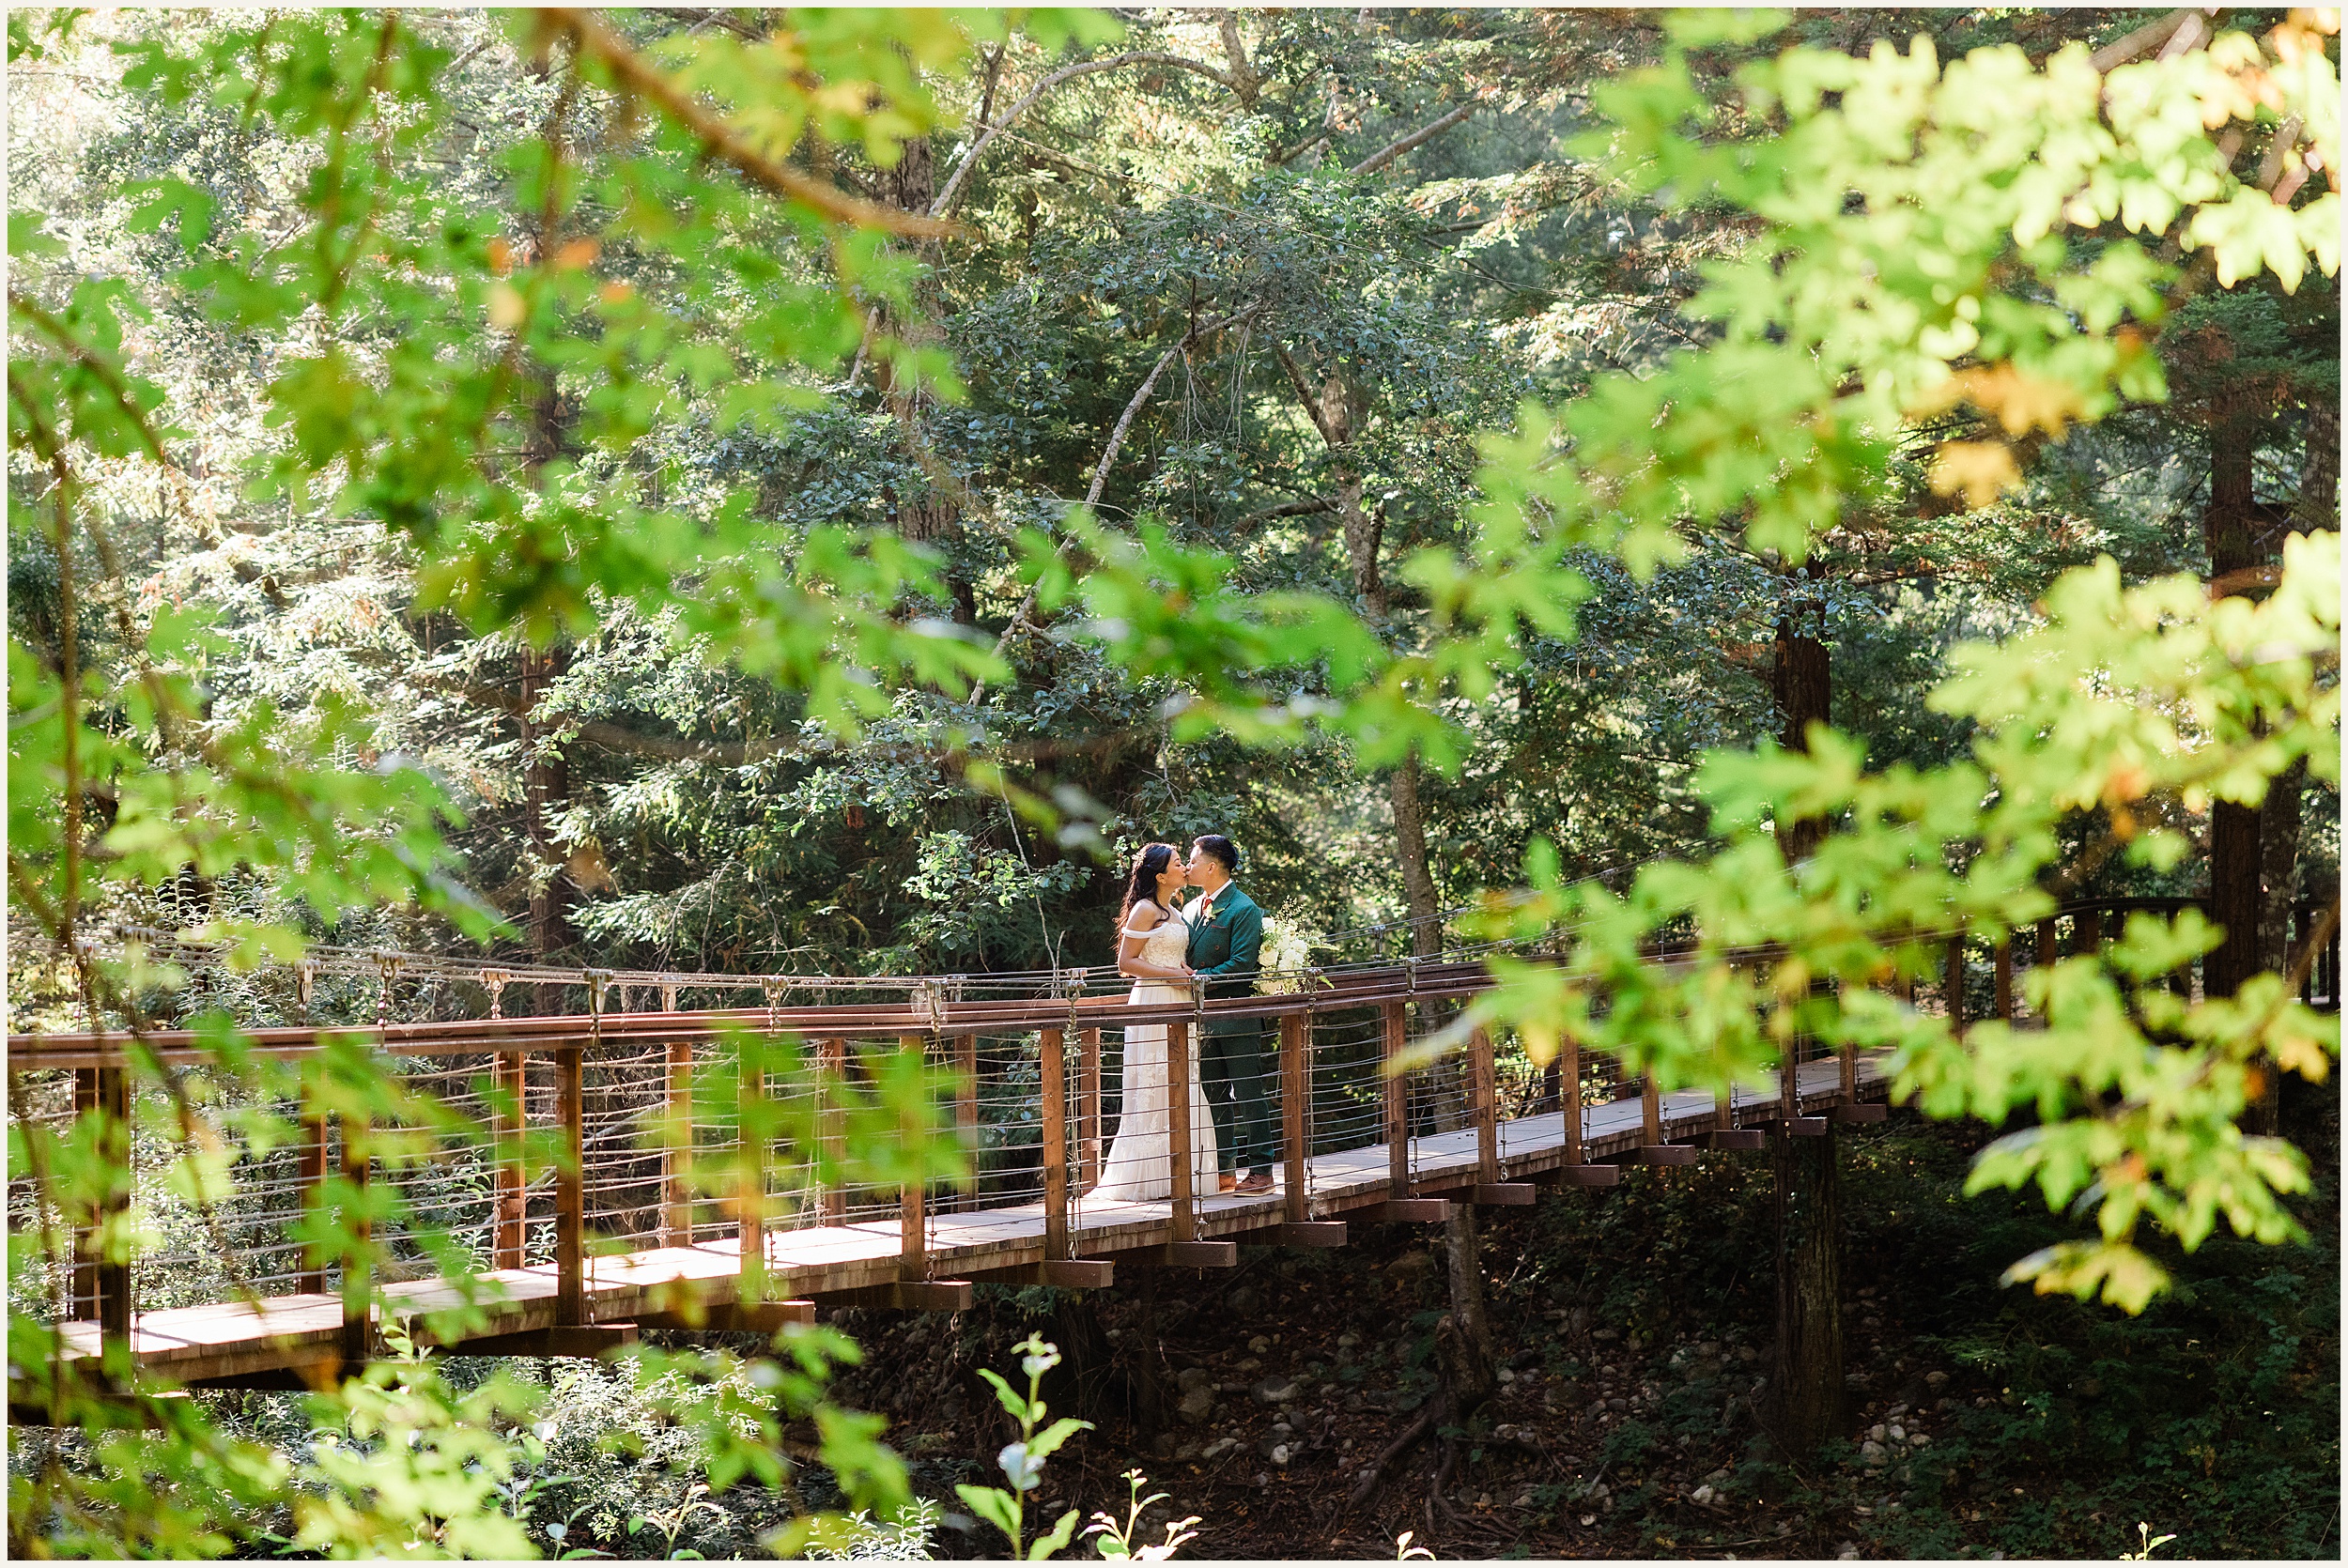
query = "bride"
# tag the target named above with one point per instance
(1152, 941)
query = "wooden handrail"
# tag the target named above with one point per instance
(1370, 988)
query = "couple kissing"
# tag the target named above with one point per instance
(1163, 942)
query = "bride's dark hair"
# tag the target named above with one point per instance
(1149, 865)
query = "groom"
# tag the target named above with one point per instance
(1226, 944)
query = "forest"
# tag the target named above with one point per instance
(1753, 529)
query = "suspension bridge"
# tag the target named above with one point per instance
(583, 1228)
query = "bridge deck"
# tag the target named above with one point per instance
(234, 1338)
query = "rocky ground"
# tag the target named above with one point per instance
(1632, 1333)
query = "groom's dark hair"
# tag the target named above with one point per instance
(1221, 848)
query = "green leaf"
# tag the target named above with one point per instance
(1056, 1538)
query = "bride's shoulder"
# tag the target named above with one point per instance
(1144, 916)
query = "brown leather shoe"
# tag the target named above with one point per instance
(1260, 1183)
(1231, 1182)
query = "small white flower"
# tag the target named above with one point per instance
(1024, 1472)
(556, 1532)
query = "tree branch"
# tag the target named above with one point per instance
(1117, 438)
(711, 16)
(637, 77)
(108, 376)
(1244, 82)
(1290, 509)
(2153, 35)
(1304, 394)
(1393, 151)
(733, 754)
(1281, 159)
(946, 197)
(1117, 435)
(994, 80)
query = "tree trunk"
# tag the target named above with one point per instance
(1807, 1382)
(1409, 847)
(2278, 823)
(2318, 506)
(1808, 1391)
(546, 789)
(1142, 1352)
(932, 517)
(546, 774)
(1464, 1257)
(2229, 530)
(1801, 681)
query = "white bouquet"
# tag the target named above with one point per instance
(1287, 951)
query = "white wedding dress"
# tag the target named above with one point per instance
(1136, 1169)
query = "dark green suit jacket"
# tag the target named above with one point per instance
(1228, 949)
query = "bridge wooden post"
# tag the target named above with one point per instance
(1053, 1061)
(831, 1120)
(356, 1282)
(1296, 1032)
(1789, 1085)
(967, 1115)
(508, 1183)
(2046, 950)
(676, 1214)
(1395, 1041)
(750, 1185)
(570, 1188)
(912, 1212)
(84, 1287)
(1089, 1113)
(1953, 982)
(1486, 1088)
(2005, 979)
(2090, 932)
(1570, 1098)
(1177, 1143)
(1650, 1111)
(315, 1141)
(109, 1283)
